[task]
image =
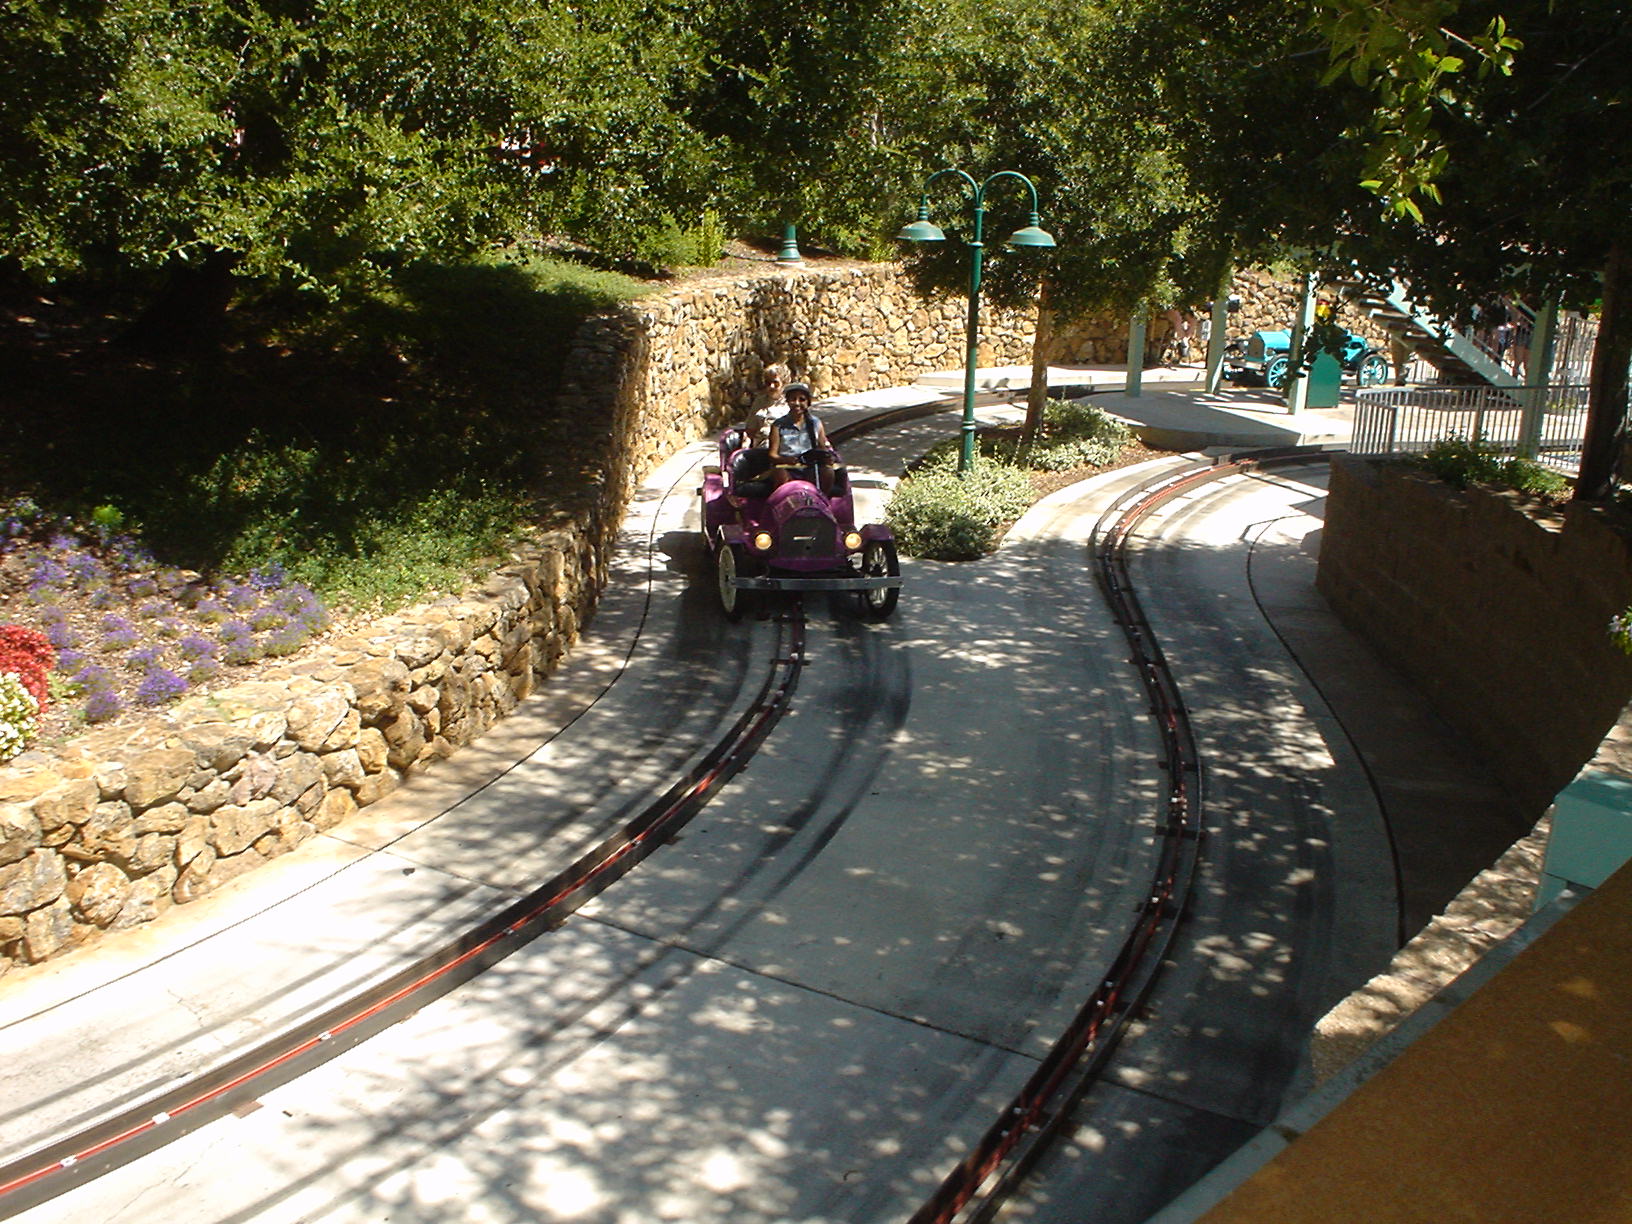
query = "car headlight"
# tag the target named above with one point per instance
(763, 541)
(852, 541)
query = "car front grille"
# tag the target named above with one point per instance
(805, 537)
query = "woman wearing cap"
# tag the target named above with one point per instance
(797, 435)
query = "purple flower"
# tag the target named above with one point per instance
(142, 587)
(53, 614)
(204, 669)
(236, 630)
(240, 651)
(144, 657)
(48, 572)
(239, 596)
(169, 627)
(303, 605)
(284, 641)
(102, 597)
(118, 633)
(103, 705)
(159, 686)
(95, 678)
(69, 661)
(268, 618)
(152, 609)
(61, 635)
(61, 541)
(195, 646)
(269, 577)
(210, 611)
(86, 568)
(132, 554)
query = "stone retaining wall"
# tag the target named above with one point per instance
(119, 825)
(1497, 607)
(110, 831)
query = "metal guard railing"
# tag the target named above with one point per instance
(1546, 423)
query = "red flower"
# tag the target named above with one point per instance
(29, 654)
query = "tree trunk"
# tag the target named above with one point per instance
(1037, 396)
(1606, 391)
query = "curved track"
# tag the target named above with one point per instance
(798, 884)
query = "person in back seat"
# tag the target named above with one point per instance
(769, 404)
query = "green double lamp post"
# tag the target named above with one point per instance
(924, 230)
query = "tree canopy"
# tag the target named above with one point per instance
(1500, 142)
(322, 145)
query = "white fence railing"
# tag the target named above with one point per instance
(1544, 423)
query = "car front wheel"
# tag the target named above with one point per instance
(878, 560)
(1373, 370)
(727, 564)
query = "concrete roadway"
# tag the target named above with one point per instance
(807, 1006)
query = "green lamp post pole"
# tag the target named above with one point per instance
(923, 230)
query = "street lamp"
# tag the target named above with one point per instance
(925, 230)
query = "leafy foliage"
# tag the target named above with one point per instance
(377, 449)
(1073, 435)
(1460, 461)
(1509, 178)
(939, 514)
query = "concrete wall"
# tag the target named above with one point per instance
(1497, 607)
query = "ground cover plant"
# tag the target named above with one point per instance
(940, 514)
(171, 516)
(97, 627)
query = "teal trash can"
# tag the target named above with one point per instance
(1592, 834)
(1325, 381)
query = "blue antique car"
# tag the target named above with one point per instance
(1266, 359)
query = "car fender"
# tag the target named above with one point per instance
(876, 531)
(732, 533)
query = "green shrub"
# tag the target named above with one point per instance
(1460, 461)
(1074, 435)
(936, 513)
(673, 245)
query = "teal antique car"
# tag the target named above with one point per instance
(1265, 360)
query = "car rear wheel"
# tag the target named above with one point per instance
(878, 560)
(727, 564)
(1275, 372)
(1373, 370)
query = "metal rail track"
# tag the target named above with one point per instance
(997, 1164)
(128, 1134)
(995, 1167)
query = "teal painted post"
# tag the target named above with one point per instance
(789, 254)
(1136, 356)
(1297, 388)
(971, 346)
(1538, 372)
(1216, 341)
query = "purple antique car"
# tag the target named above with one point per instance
(790, 536)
